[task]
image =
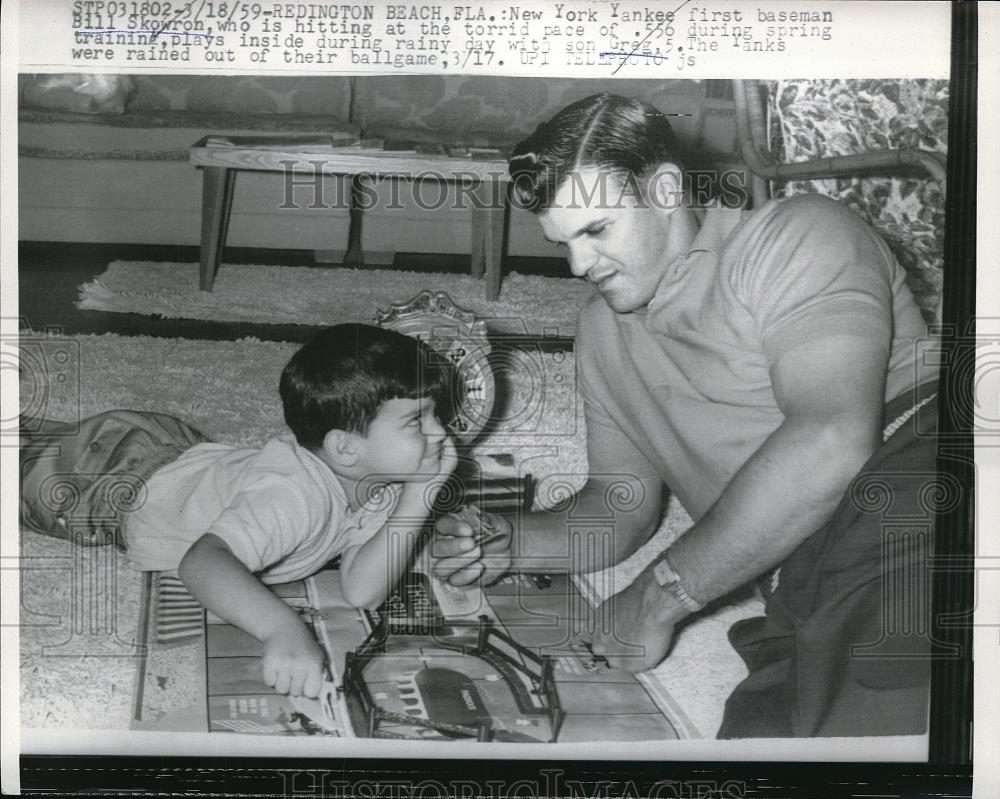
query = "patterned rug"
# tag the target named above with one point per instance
(80, 611)
(316, 296)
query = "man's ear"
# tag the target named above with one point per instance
(665, 188)
(342, 447)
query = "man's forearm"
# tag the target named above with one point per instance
(788, 490)
(588, 536)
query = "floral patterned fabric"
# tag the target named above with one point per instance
(821, 118)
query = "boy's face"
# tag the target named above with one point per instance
(404, 441)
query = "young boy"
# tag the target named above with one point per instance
(356, 477)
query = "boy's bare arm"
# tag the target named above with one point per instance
(369, 572)
(293, 661)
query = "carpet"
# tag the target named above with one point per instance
(80, 606)
(316, 296)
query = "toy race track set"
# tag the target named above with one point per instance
(435, 662)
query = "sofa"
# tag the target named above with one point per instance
(123, 175)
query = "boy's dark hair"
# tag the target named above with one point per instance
(339, 380)
(607, 131)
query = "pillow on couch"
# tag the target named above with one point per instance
(78, 93)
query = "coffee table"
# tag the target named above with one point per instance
(485, 183)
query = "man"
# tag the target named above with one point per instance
(764, 366)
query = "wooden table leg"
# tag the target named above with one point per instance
(355, 255)
(216, 204)
(488, 220)
(477, 243)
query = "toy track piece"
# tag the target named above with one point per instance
(475, 682)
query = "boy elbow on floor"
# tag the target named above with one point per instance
(360, 595)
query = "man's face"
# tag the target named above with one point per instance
(618, 243)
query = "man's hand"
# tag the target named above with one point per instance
(633, 629)
(496, 548)
(293, 662)
(465, 552)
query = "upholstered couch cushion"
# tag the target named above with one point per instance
(166, 114)
(153, 135)
(500, 111)
(328, 96)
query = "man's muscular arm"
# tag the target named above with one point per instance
(592, 535)
(615, 512)
(831, 394)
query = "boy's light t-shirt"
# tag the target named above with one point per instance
(280, 509)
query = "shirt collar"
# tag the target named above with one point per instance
(716, 227)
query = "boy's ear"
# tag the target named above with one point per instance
(342, 447)
(666, 188)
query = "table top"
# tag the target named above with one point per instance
(331, 156)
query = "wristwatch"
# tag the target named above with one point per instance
(671, 582)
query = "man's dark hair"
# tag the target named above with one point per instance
(618, 134)
(339, 380)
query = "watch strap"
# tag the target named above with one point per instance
(670, 581)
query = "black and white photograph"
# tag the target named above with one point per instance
(498, 383)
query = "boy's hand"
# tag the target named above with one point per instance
(293, 662)
(436, 469)
(471, 546)
(449, 459)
